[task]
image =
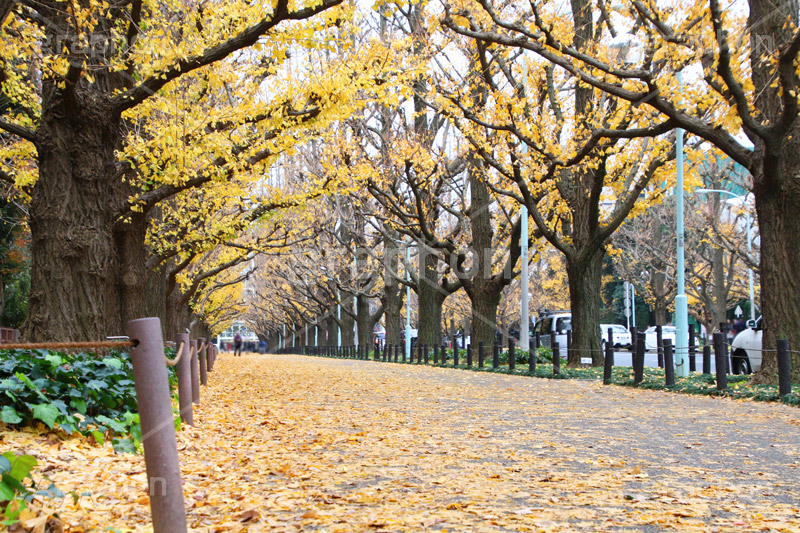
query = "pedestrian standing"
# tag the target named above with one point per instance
(237, 345)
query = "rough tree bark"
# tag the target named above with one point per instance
(392, 294)
(776, 183)
(87, 266)
(430, 298)
(483, 286)
(584, 273)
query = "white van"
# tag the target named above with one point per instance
(558, 322)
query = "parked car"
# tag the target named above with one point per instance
(621, 337)
(651, 338)
(558, 322)
(746, 349)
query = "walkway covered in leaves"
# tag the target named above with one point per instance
(291, 443)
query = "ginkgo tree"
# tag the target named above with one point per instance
(739, 92)
(578, 160)
(117, 108)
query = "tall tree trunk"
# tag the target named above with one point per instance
(584, 276)
(365, 322)
(780, 283)
(392, 293)
(348, 333)
(483, 289)
(87, 267)
(430, 298)
(720, 292)
(331, 329)
(660, 308)
(776, 187)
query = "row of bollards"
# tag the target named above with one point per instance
(665, 356)
(197, 358)
(422, 353)
(196, 361)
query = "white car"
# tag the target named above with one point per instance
(621, 337)
(651, 337)
(746, 349)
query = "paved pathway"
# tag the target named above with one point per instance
(314, 444)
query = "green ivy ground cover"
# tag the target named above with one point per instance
(84, 392)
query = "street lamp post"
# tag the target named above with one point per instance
(339, 317)
(681, 302)
(524, 333)
(408, 304)
(749, 223)
(355, 295)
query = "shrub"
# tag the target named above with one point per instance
(544, 354)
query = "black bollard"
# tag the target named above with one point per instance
(784, 368)
(469, 355)
(569, 342)
(512, 355)
(444, 354)
(435, 354)
(638, 358)
(719, 360)
(608, 365)
(669, 364)
(495, 356)
(455, 355)
(556, 357)
(660, 346)
(425, 351)
(531, 360)
(481, 354)
(706, 359)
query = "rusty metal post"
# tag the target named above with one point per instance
(158, 430)
(202, 359)
(194, 369)
(185, 380)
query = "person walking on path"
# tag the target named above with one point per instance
(237, 345)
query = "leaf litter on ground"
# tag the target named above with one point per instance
(290, 443)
